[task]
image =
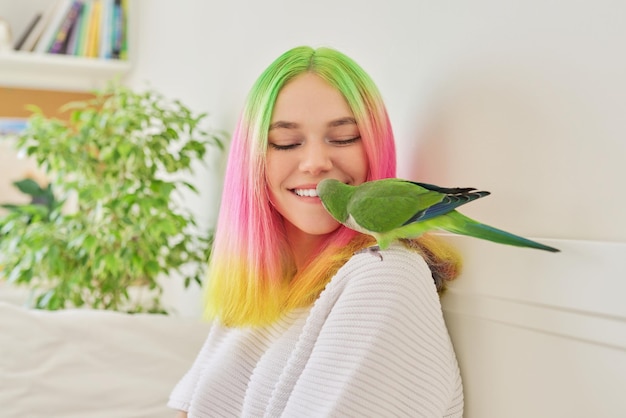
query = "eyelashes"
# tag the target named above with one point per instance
(283, 147)
(342, 142)
(294, 145)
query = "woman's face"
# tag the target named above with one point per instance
(313, 136)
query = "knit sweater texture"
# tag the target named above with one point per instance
(374, 344)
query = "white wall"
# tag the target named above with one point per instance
(521, 98)
(538, 334)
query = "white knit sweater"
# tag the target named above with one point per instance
(374, 344)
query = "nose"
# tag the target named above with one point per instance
(316, 158)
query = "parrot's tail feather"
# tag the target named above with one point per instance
(465, 226)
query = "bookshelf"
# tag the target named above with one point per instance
(58, 72)
(41, 70)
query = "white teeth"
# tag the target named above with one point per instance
(306, 192)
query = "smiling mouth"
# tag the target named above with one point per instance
(305, 192)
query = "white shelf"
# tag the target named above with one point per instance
(58, 72)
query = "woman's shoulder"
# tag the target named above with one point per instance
(397, 260)
(397, 271)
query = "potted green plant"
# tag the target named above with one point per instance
(116, 223)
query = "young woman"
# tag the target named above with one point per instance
(304, 323)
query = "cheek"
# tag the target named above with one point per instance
(365, 169)
(277, 170)
(359, 165)
(272, 172)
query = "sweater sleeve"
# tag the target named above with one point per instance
(383, 349)
(181, 395)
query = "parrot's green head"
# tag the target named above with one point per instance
(335, 196)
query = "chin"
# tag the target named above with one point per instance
(319, 228)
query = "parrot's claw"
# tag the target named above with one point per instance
(374, 250)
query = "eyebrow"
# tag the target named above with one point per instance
(348, 120)
(342, 121)
(284, 125)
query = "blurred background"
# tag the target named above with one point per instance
(525, 99)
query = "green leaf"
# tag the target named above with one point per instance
(29, 186)
(10, 206)
(152, 267)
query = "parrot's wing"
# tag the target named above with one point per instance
(452, 198)
(444, 190)
(384, 205)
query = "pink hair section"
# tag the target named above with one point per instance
(244, 212)
(379, 146)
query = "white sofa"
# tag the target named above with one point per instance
(92, 364)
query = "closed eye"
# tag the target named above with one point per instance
(286, 147)
(344, 142)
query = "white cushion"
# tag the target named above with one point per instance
(92, 364)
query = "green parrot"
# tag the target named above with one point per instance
(391, 209)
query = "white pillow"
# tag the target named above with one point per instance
(92, 364)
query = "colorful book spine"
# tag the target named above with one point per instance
(72, 41)
(124, 49)
(106, 26)
(93, 35)
(82, 29)
(47, 37)
(61, 39)
(87, 28)
(117, 32)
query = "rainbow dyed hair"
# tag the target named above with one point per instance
(252, 276)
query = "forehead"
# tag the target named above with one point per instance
(309, 97)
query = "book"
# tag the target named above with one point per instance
(59, 43)
(106, 29)
(118, 34)
(124, 47)
(116, 29)
(93, 33)
(47, 37)
(31, 26)
(73, 36)
(35, 34)
(12, 125)
(82, 29)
